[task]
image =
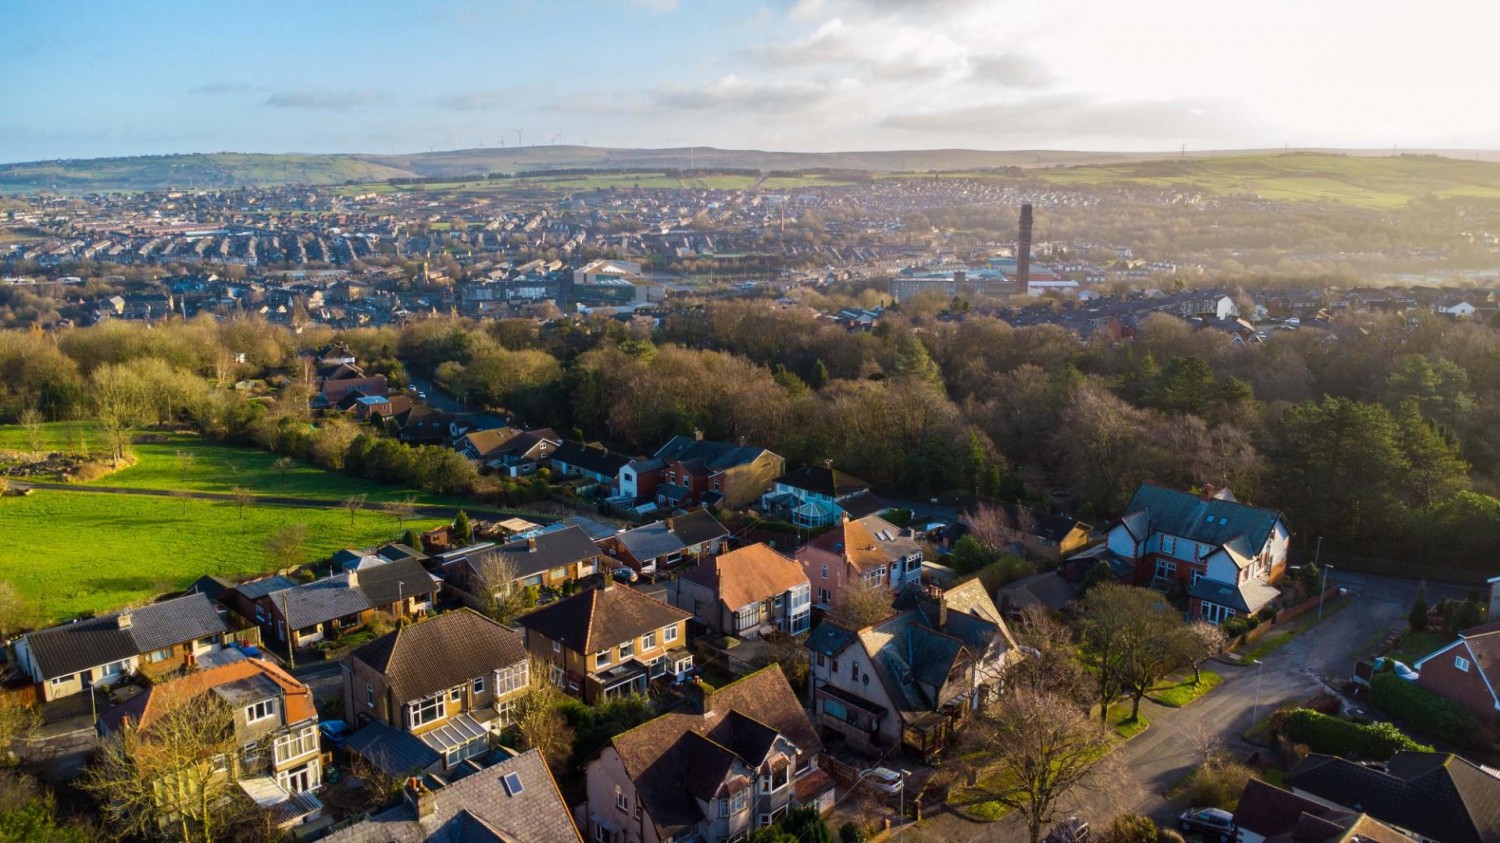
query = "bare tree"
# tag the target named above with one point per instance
(862, 603)
(242, 498)
(18, 724)
(992, 526)
(225, 368)
(1051, 665)
(494, 583)
(1203, 641)
(287, 546)
(185, 463)
(182, 497)
(282, 466)
(1035, 748)
(120, 406)
(174, 779)
(403, 510)
(352, 505)
(1131, 641)
(541, 725)
(31, 422)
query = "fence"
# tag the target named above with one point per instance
(1288, 614)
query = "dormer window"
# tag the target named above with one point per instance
(260, 711)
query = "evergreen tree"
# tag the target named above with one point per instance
(463, 532)
(819, 377)
(1418, 617)
(413, 540)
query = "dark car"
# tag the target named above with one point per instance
(1215, 823)
(1070, 830)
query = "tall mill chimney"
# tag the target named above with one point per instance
(1023, 248)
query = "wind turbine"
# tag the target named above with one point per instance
(518, 136)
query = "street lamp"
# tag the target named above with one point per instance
(1322, 590)
(1259, 666)
(901, 818)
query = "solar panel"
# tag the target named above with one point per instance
(513, 784)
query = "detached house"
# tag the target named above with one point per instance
(275, 723)
(448, 683)
(667, 543)
(736, 761)
(508, 450)
(1227, 556)
(812, 496)
(911, 679)
(695, 471)
(609, 641)
(747, 592)
(544, 560)
(870, 548)
(155, 640)
(1467, 671)
(591, 462)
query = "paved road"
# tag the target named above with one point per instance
(1174, 744)
(443, 401)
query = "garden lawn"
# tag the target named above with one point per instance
(1183, 691)
(70, 553)
(1418, 645)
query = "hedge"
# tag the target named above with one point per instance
(1406, 701)
(1335, 736)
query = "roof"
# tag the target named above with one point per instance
(70, 648)
(651, 541)
(970, 598)
(698, 527)
(486, 442)
(824, 481)
(479, 807)
(392, 751)
(715, 456)
(156, 701)
(863, 504)
(595, 459)
(830, 638)
(1434, 794)
(907, 655)
(1214, 521)
(661, 757)
(595, 530)
(323, 600)
(441, 652)
(1249, 596)
(256, 589)
(210, 585)
(548, 550)
(1268, 810)
(748, 575)
(601, 617)
(1047, 589)
(855, 543)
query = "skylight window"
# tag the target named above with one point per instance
(512, 784)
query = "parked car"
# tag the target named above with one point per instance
(1070, 830)
(1217, 824)
(335, 732)
(625, 575)
(883, 779)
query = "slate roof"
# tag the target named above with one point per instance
(1046, 589)
(748, 575)
(1268, 810)
(256, 589)
(715, 456)
(479, 808)
(601, 617)
(395, 580)
(450, 649)
(553, 550)
(651, 541)
(830, 638)
(907, 655)
(70, 648)
(1212, 522)
(210, 586)
(824, 481)
(698, 527)
(323, 600)
(1436, 795)
(662, 756)
(597, 460)
(863, 504)
(1249, 596)
(591, 528)
(391, 751)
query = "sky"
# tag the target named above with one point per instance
(93, 78)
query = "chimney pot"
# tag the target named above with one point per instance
(124, 620)
(354, 579)
(698, 435)
(670, 528)
(421, 798)
(531, 544)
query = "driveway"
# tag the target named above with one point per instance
(1324, 656)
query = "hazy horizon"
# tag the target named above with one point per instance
(105, 80)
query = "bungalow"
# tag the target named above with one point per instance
(714, 473)
(1226, 555)
(544, 560)
(449, 682)
(1428, 795)
(811, 496)
(609, 641)
(275, 723)
(1467, 671)
(738, 759)
(870, 548)
(339, 604)
(155, 640)
(1266, 812)
(591, 461)
(667, 543)
(513, 452)
(747, 592)
(514, 801)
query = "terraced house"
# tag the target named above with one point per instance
(440, 688)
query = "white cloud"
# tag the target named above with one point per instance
(316, 100)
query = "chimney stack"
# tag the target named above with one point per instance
(670, 528)
(697, 435)
(701, 694)
(531, 544)
(354, 579)
(1023, 248)
(123, 620)
(420, 797)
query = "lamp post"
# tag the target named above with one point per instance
(1259, 666)
(901, 819)
(1322, 590)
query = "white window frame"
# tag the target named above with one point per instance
(622, 802)
(478, 685)
(648, 641)
(369, 696)
(1461, 663)
(627, 649)
(602, 660)
(295, 744)
(1169, 545)
(257, 712)
(427, 711)
(508, 680)
(670, 633)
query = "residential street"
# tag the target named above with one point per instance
(1175, 742)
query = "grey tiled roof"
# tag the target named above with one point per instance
(319, 602)
(391, 751)
(260, 588)
(442, 652)
(479, 807)
(67, 649)
(553, 550)
(651, 541)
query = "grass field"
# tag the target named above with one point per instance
(1182, 691)
(210, 467)
(71, 553)
(1366, 182)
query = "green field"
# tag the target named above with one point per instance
(210, 467)
(1366, 182)
(72, 553)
